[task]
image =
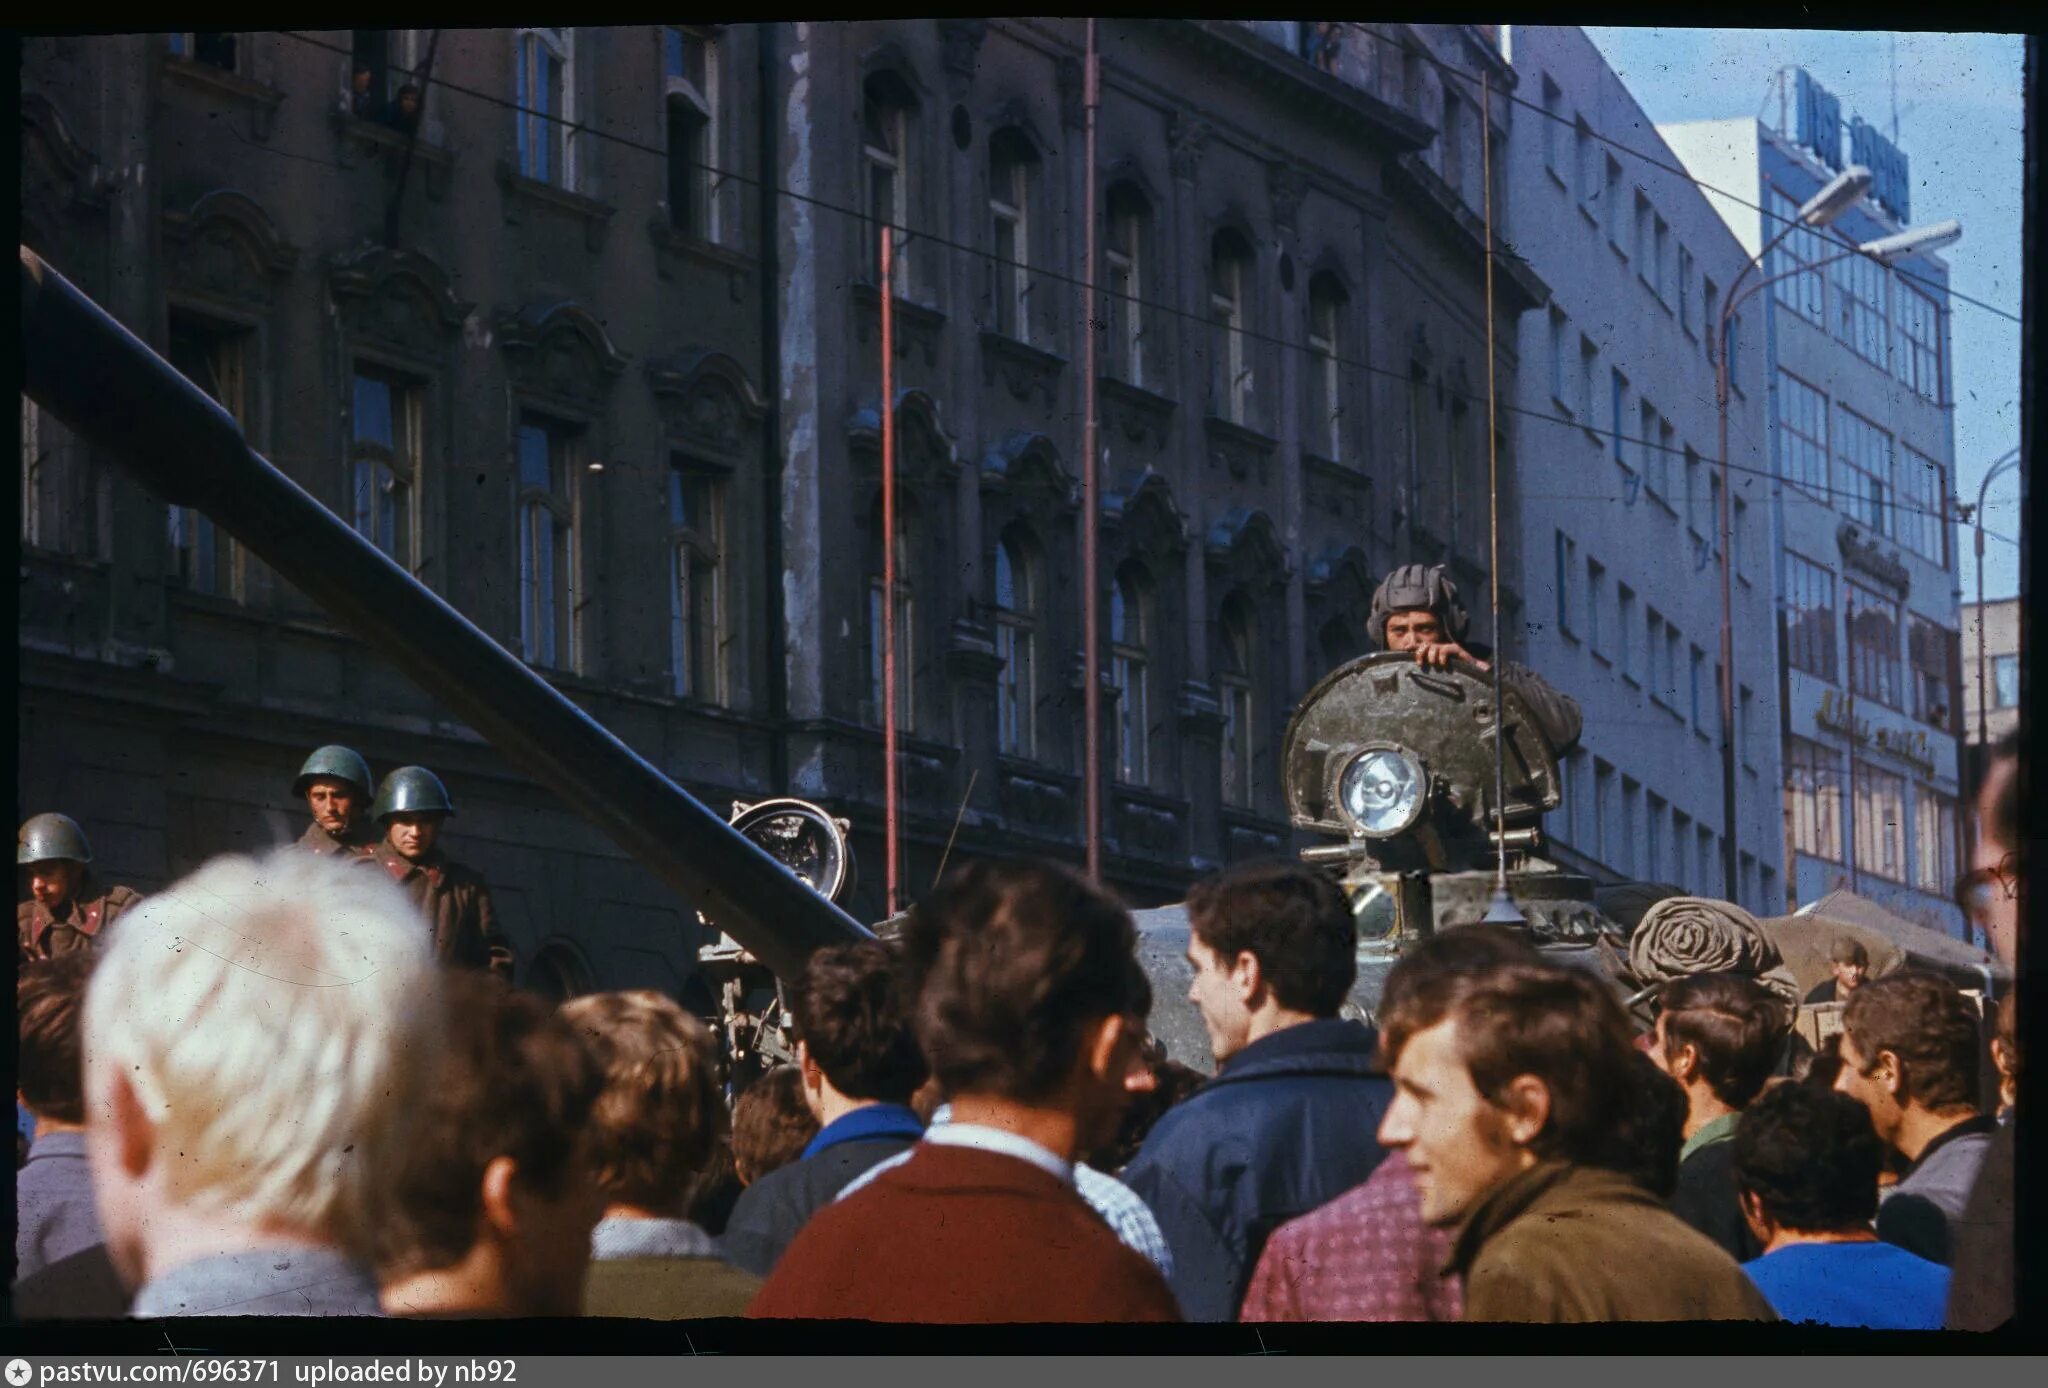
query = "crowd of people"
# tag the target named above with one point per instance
(289, 1085)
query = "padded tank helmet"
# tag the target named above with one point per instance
(337, 762)
(51, 838)
(1415, 586)
(411, 790)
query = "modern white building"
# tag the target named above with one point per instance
(1863, 555)
(1619, 491)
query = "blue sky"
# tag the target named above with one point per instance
(1961, 122)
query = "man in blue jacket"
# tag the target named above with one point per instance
(1289, 1121)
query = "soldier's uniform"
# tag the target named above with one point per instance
(340, 764)
(452, 896)
(1417, 586)
(40, 934)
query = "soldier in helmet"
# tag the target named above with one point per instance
(410, 808)
(67, 909)
(1416, 608)
(335, 784)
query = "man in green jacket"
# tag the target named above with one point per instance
(1510, 1090)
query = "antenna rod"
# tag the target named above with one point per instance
(1500, 747)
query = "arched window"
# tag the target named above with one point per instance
(887, 103)
(1130, 631)
(906, 628)
(1012, 180)
(1230, 380)
(1234, 691)
(1323, 430)
(1017, 624)
(1123, 265)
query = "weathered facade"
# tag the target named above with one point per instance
(563, 358)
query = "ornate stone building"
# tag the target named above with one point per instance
(557, 353)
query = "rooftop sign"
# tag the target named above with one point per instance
(1819, 129)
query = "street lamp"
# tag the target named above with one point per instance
(1842, 192)
(1998, 469)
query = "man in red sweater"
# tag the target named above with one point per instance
(1028, 993)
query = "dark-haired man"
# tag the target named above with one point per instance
(1806, 1163)
(1287, 1124)
(1026, 981)
(860, 1065)
(1717, 1036)
(1510, 1091)
(1909, 1055)
(492, 1205)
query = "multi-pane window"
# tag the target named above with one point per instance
(2005, 681)
(1567, 580)
(1017, 621)
(1586, 165)
(1672, 641)
(1802, 435)
(906, 638)
(1234, 690)
(1130, 612)
(547, 544)
(1618, 391)
(1648, 458)
(885, 134)
(544, 89)
(699, 628)
(1880, 822)
(1582, 400)
(1661, 250)
(1810, 617)
(1123, 262)
(1934, 841)
(384, 462)
(1557, 355)
(1685, 289)
(1931, 652)
(1710, 321)
(1011, 163)
(1323, 430)
(1230, 381)
(1916, 340)
(1658, 670)
(690, 81)
(1863, 470)
(1803, 290)
(1695, 691)
(1873, 645)
(1923, 503)
(1596, 598)
(215, 361)
(1666, 453)
(1625, 631)
(1553, 128)
(1694, 484)
(1612, 218)
(1859, 285)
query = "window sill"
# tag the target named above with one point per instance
(1568, 634)
(672, 248)
(522, 194)
(1557, 178)
(1139, 413)
(360, 138)
(1237, 447)
(260, 99)
(1603, 658)
(1587, 213)
(1024, 369)
(1562, 408)
(915, 325)
(1666, 507)
(1629, 678)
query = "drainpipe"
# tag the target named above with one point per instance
(767, 110)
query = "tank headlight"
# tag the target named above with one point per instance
(1381, 791)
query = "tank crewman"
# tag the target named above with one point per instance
(410, 808)
(335, 784)
(66, 909)
(1416, 608)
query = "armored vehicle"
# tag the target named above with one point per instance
(1393, 763)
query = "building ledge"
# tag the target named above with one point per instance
(1327, 99)
(673, 249)
(522, 194)
(259, 99)
(1022, 368)
(360, 138)
(1140, 414)
(1523, 288)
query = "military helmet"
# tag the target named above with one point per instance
(340, 763)
(51, 837)
(411, 790)
(1412, 586)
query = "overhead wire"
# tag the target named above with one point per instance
(1150, 305)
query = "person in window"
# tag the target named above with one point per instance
(1416, 608)
(362, 93)
(403, 115)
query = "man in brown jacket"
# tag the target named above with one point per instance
(335, 784)
(1509, 1089)
(66, 909)
(411, 805)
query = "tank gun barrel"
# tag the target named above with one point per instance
(107, 386)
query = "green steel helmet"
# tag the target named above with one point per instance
(50, 837)
(1414, 586)
(340, 763)
(411, 790)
